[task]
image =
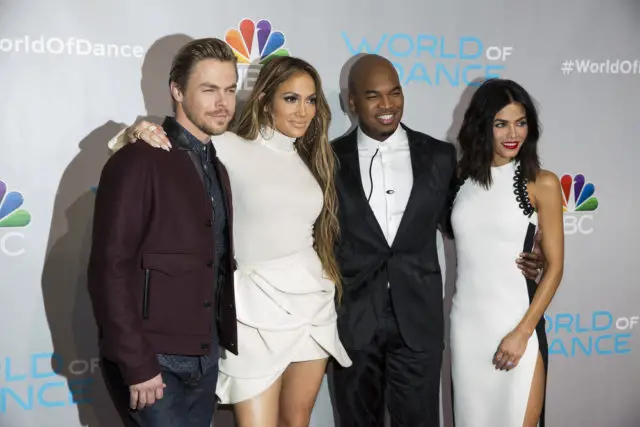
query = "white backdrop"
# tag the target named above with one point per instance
(73, 72)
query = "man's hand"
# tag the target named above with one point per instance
(532, 263)
(146, 393)
(150, 133)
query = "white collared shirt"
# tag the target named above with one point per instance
(392, 178)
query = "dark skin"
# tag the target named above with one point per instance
(377, 99)
(374, 94)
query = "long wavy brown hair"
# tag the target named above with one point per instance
(313, 148)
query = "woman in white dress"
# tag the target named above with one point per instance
(281, 169)
(498, 342)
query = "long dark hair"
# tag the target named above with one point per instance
(476, 134)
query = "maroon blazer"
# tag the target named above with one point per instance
(151, 276)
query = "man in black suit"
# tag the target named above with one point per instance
(393, 190)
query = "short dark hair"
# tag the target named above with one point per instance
(476, 134)
(195, 51)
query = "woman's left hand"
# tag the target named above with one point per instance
(510, 350)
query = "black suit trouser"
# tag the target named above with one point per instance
(387, 371)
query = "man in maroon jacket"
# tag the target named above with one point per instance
(161, 268)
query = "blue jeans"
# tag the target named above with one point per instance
(189, 399)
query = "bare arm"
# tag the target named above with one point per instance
(548, 202)
(546, 197)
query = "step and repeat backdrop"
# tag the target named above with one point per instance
(74, 72)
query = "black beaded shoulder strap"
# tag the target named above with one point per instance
(520, 190)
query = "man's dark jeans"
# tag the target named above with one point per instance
(189, 399)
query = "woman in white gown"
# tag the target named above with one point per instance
(281, 169)
(498, 342)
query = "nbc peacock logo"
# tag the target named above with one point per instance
(255, 42)
(583, 199)
(578, 204)
(10, 213)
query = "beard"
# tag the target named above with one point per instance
(375, 132)
(206, 122)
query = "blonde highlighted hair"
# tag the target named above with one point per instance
(313, 148)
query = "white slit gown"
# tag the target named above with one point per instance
(491, 227)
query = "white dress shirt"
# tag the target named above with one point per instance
(391, 175)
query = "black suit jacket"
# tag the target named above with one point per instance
(410, 264)
(151, 277)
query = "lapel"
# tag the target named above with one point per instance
(225, 186)
(352, 184)
(421, 164)
(182, 143)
